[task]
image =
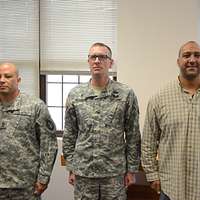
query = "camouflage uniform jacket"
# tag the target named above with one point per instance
(101, 136)
(28, 144)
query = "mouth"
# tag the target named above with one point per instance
(2, 87)
(192, 67)
(96, 68)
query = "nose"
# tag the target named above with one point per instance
(2, 79)
(192, 58)
(97, 59)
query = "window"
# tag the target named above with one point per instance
(59, 86)
(54, 35)
(57, 89)
(69, 28)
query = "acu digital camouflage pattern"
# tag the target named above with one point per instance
(101, 136)
(28, 144)
(18, 194)
(99, 188)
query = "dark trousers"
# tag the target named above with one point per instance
(163, 196)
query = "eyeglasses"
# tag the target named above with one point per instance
(100, 57)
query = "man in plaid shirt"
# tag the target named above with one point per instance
(172, 131)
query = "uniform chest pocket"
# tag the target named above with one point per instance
(22, 121)
(115, 112)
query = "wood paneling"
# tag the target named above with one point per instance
(141, 192)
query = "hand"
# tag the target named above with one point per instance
(40, 188)
(156, 186)
(129, 179)
(71, 178)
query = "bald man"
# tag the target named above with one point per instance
(172, 129)
(28, 144)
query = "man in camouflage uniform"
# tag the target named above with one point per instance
(101, 141)
(28, 144)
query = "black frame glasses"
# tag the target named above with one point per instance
(101, 57)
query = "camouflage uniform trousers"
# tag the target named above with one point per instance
(18, 194)
(109, 188)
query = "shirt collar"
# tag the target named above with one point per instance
(182, 88)
(12, 106)
(109, 90)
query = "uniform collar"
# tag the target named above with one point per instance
(12, 106)
(109, 90)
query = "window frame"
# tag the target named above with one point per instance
(44, 84)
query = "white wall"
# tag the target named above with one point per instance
(150, 33)
(58, 188)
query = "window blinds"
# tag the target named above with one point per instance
(57, 32)
(19, 40)
(68, 28)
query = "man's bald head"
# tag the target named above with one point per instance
(9, 81)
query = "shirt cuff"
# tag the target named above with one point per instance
(152, 176)
(68, 165)
(133, 169)
(43, 179)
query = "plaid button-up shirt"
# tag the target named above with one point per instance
(172, 129)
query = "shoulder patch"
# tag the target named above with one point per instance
(50, 125)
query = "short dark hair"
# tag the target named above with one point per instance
(103, 45)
